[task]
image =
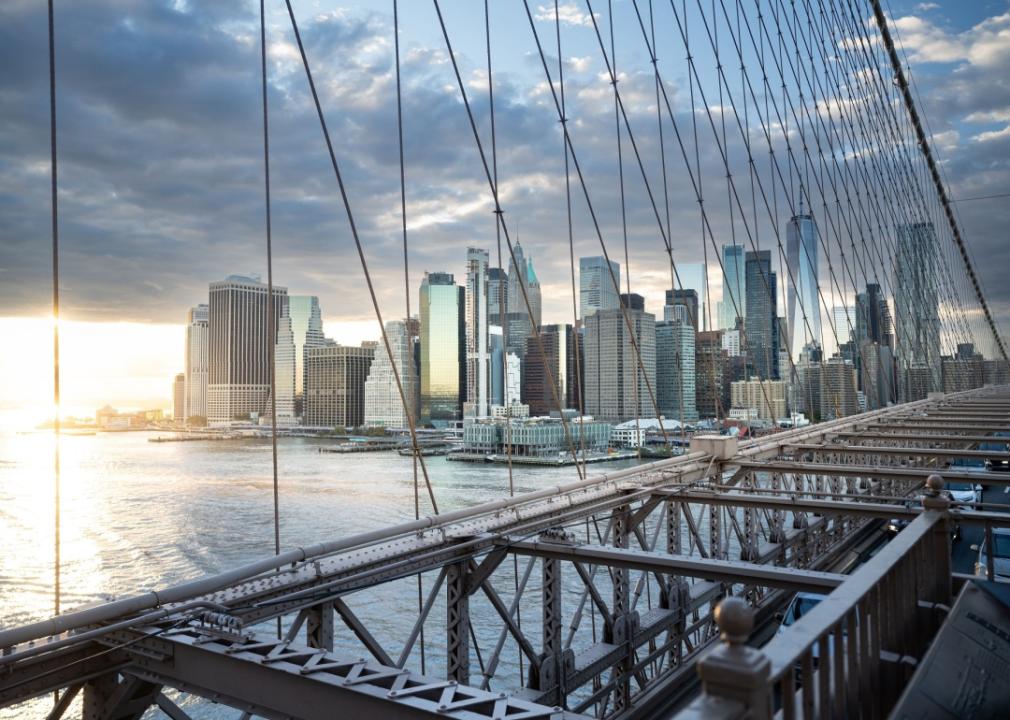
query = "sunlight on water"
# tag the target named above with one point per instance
(139, 515)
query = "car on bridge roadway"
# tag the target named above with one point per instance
(1000, 556)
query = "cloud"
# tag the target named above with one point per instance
(568, 14)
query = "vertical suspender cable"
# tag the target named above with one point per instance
(271, 314)
(56, 313)
(406, 288)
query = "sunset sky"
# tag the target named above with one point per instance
(161, 166)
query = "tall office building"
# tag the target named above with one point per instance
(558, 357)
(709, 368)
(496, 344)
(521, 275)
(693, 277)
(197, 349)
(497, 296)
(383, 404)
(675, 369)
(687, 298)
(478, 355)
(597, 289)
(632, 301)
(838, 389)
(802, 297)
(613, 378)
(443, 349)
(238, 378)
(761, 323)
(335, 378)
(917, 309)
(734, 297)
(873, 316)
(843, 318)
(286, 365)
(179, 399)
(306, 332)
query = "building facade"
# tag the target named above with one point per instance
(478, 353)
(383, 404)
(520, 325)
(443, 349)
(734, 297)
(615, 387)
(838, 389)
(306, 332)
(558, 364)
(766, 398)
(761, 337)
(675, 370)
(335, 378)
(917, 308)
(803, 311)
(285, 369)
(710, 366)
(238, 377)
(197, 360)
(597, 289)
(179, 399)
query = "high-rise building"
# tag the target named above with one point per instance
(632, 301)
(383, 404)
(238, 378)
(197, 348)
(613, 378)
(766, 399)
(803, 318)
(709, 368)
(843, 319)
(497, 296)
(335, 385)
(734, 295)
(520, 327)
(306, 332)
(838, 389)
(478, 355)
(761, 323)
(496, 344)
(557, 362)
(688, 298)
(513, 379)
(873, 316)
(916, 304)
(285, 368)
(693, 277)
(675, 370)
(597, 289)
(876, 374)
(179, 399)
(443, 349)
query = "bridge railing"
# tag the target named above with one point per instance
(853, 653)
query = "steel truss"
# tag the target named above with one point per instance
(631, 565)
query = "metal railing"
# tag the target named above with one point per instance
(853, 653)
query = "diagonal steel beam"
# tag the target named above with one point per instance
(357, 627)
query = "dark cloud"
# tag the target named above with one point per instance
(161, 158)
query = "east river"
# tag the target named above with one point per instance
(138, 515)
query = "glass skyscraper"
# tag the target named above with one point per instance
(802, 299)
(917, 311)
(478, 357)
(596, 286)
(443, 349)
(306, 332)
(761, 325)
(197, 343)
(733, 287)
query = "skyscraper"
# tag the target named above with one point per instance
(238, 381)
(917, 310)
(693, 277)
(559, 357)
(443, 349)
(521, 275)
(802, 298)
(497, 296)
(761, 323)
(285, 364)
(335, 378)
(478, 356)
(197, 348)
(179, 399)
(688, 298)
(733, 287)
(613, 378)
(710, 363)
(838, 389)
(383, 404)
(675, 369)
(596, 286)
(306, 332)
(843, 318)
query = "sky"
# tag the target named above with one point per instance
(161, 165)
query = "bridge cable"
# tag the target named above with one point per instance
(357, 243)
(271, 309)
(406, 296)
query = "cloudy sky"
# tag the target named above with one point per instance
(161, 172)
